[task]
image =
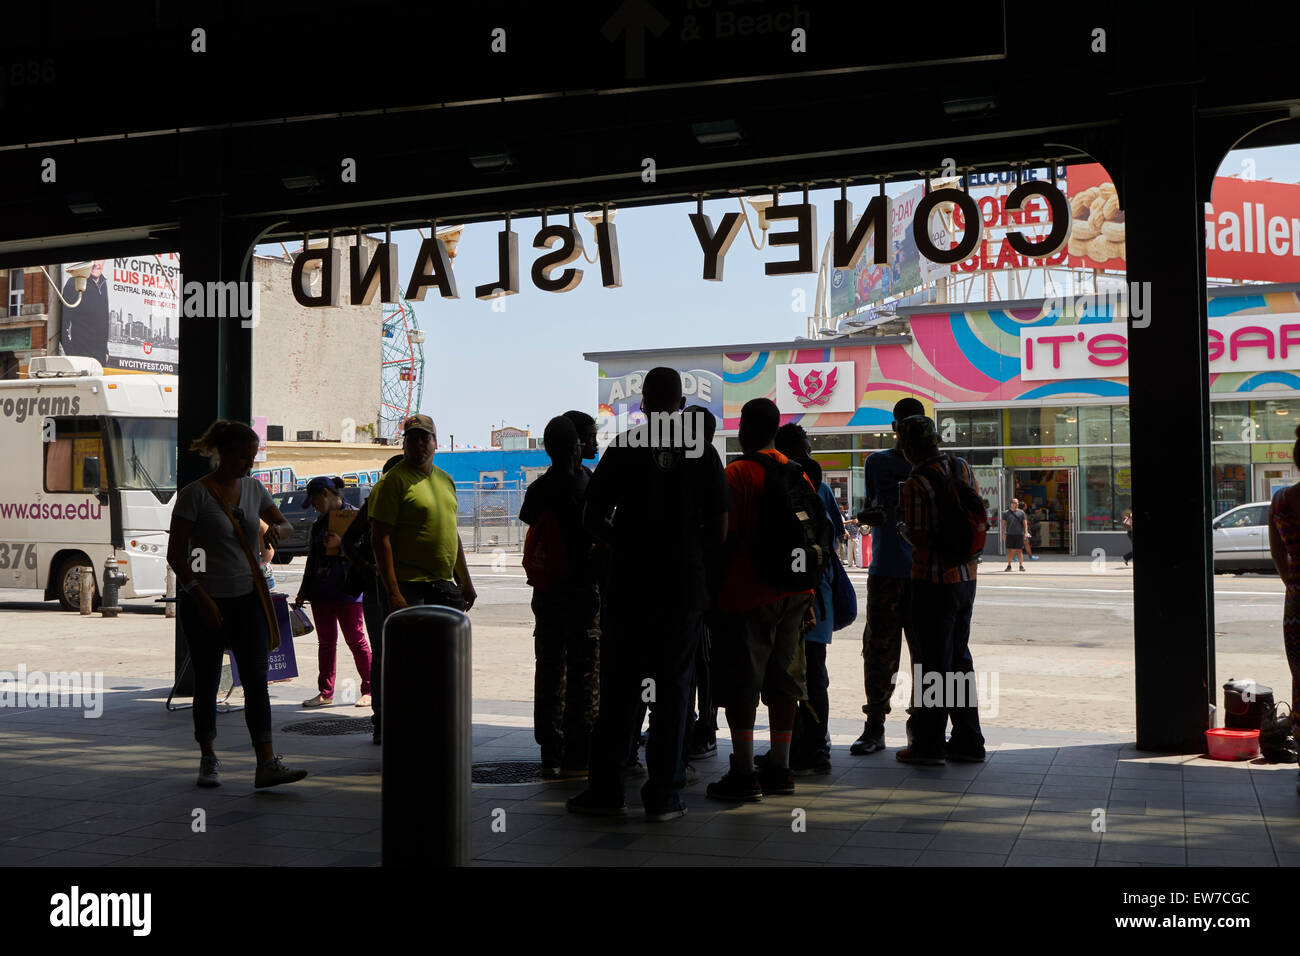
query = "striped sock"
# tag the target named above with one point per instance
(742, 743)
(781, 748)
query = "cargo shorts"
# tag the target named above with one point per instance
(759, 654)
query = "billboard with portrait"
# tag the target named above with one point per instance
(127, 316)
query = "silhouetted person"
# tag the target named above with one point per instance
(586, 427)
(810, 746)
(357, 546)
(566, 639)
(413, 526)
(664, 499)
(334, 591)
(760, 652)
(889, 582)
(943, 596)
(223, 598)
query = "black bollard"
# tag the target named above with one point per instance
(426, 731)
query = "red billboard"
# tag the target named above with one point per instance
(1252, 227)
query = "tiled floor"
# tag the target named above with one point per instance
(119, 791)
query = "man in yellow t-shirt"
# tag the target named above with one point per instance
(413, 521)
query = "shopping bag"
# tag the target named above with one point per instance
(843, 597)
(281, 663)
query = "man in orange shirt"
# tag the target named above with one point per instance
(760, 650)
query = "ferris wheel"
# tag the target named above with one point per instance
(401, 366)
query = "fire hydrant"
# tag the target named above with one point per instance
(113, 579)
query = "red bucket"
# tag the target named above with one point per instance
(1227, 744)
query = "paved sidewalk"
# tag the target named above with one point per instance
(1033, 803)
(119, 791)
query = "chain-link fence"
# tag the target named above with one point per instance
(488, 515)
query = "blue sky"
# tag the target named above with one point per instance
(524, 364)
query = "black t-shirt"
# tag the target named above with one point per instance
(662, 500)
(563, 494)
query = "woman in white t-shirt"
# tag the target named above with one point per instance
(213, 546)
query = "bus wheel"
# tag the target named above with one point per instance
(68, 583)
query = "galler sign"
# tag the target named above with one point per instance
(563, 243)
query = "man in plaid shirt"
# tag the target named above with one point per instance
(943, 595)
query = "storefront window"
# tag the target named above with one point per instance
(1231, 476)
(1122, 468)
(1119, 424)
(1095, 425)
(1230, 421)
(1276, 419)
(1097, 494)
(1044, 426)
(1106, 491)
(875, 440)
(840, 442)
(973, 428)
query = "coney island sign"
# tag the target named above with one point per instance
(562, 244)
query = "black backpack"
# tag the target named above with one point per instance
(792, 544)
(963, 521)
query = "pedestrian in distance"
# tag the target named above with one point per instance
(775, 513)
(654, 499)
(945, 521)
(559, 563)
(358, 547)
(1128, 530)
(223, 598)
(413, 528)
(889, 582)
(1016, 524)
(854, 533)
(333, 586)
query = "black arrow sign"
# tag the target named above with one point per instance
(633, 18)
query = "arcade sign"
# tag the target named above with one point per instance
(552, 271)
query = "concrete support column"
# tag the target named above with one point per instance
(1173, 600)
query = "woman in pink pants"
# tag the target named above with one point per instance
(334, 590)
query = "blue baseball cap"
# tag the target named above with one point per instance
(318, 484)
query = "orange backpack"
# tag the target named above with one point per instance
(546, 560)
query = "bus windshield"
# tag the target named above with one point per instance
(143, 454)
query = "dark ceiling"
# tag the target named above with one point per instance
(259, 124)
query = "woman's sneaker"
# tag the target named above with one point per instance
(739, 785)
(209, 771)
(273, 772)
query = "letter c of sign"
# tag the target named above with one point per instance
(1061, 223)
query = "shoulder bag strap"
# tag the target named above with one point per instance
(259, 579)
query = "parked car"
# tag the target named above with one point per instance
(290, 504)
(1241, 539)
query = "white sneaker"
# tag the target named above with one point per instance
(209, 771)
(273, 772)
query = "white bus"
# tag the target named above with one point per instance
(87, 472)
